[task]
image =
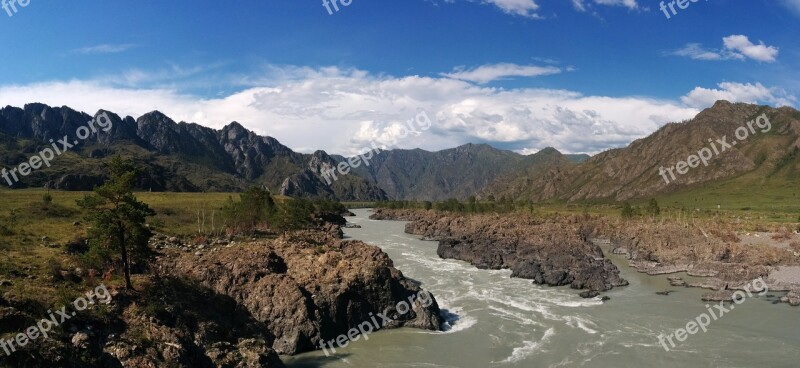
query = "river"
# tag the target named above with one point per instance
(497, 321)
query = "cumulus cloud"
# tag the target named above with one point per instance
(742, 45)
(738, 92)
(344, 110)
(525, 8)
(492, 72)
(735, 47)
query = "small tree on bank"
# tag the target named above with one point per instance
(294, 214)
(118, 218)
(652, 208)
(627, 211)
(256, 207)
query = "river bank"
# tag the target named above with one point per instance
(494, 320)
(552, 250)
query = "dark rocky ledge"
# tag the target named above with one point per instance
(553, 252)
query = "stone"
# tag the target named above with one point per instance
(80, 340)
(588, 294)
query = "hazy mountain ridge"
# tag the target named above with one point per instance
(421, 175)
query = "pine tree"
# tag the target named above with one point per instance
(118, 218)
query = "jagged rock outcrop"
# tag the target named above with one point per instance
(170, 322)
(553, 252)
(230, 306)
(319, 290)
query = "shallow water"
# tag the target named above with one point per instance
(497, 321)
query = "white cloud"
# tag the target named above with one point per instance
(104, 49)
(742, 45)
(492, 72)
(736, 47)
(630, 4)
(532, 9)
(581, 5)
(697, 52)
(525, 8)
(738, 92)
(342, 111)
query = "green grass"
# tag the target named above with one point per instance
(24, 213)
(28, 227)
(776, 199)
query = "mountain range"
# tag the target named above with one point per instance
(180, 156)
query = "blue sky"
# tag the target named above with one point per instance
(578, 75)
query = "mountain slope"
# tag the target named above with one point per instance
(421, 175)
(634, 171)
(174, 156)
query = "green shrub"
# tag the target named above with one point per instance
(627, 211)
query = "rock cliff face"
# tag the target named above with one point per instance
(305, 290)
(553, 252)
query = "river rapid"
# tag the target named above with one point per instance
(497, 321)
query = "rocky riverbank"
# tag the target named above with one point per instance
(227, 305)
(306, 289)
(563, 250)
(726, 258)
(551, 251)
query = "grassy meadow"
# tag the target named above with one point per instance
(33, 232)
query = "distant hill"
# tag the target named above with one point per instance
(764, 161)
(422, 175)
